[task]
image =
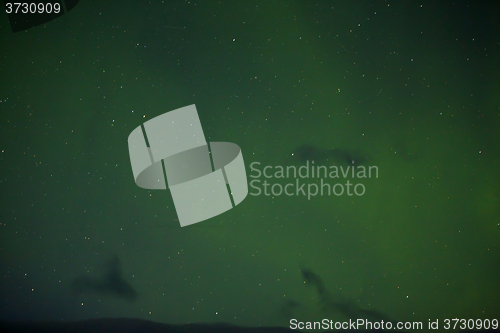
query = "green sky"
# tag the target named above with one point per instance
(409, 87)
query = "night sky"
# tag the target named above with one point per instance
(409, 87)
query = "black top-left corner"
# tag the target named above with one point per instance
(26, 14)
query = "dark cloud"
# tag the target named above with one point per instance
(112, 283)
(331, 303)
(332, 156)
